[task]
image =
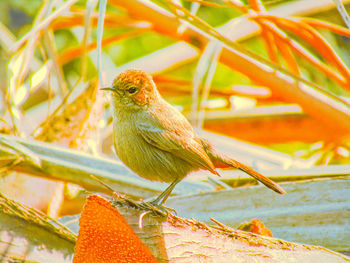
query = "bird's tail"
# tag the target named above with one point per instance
(222, 161)
(264, 180)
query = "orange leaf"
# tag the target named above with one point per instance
(76, 52)
(256, 5)
(292, 44)
(111, 21)
(315, 39)
(105, 236)
(325, 25)
(288, 56)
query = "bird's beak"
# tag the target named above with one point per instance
(108, 88)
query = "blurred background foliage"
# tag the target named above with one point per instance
(19, 16)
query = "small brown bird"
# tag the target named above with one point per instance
(156, 141)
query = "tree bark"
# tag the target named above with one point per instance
(175, 239)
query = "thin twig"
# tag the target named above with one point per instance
(102, 13)
(102, 183)
(90, 7)
(342, 12)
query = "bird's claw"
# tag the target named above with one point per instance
(157, 208)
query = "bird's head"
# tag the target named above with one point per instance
(133, 88)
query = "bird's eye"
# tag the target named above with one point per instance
(132, 90)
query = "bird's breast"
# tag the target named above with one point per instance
(145, 159)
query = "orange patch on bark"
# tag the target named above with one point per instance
(257, 227)
(105, 236)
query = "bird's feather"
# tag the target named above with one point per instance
(182, 143)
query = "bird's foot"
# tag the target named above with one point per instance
(163, 207)
(157, 208)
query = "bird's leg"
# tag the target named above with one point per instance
(158, 202)
(164, 196)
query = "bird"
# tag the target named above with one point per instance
(157, 142)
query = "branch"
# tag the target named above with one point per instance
(73, 166)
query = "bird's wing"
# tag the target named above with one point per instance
(180, 143)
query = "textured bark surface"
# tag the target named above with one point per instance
(27, 234)
(175, 239)
(313, 211)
